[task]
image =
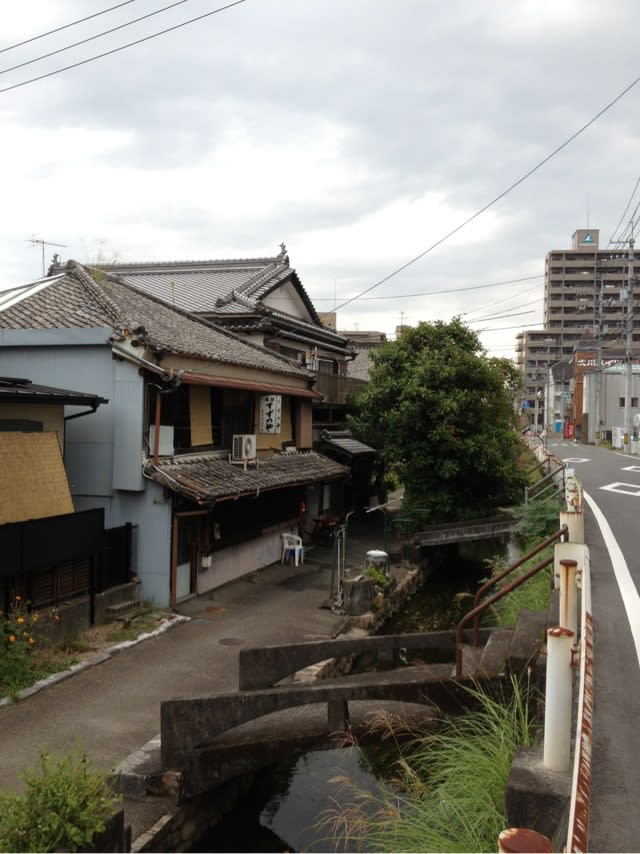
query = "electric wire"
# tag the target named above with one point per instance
(122, 47)
(624, 213)
(500, 196)
(439, 293)
(66, 26)
(92, 38)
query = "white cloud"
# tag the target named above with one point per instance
(358, 133)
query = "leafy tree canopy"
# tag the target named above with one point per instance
(441, 413)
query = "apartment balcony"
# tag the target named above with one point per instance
(336, 389)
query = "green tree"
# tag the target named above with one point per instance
(441, 414)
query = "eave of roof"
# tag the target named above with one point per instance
(207, 479)
(17, 390)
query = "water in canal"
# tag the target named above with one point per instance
(281, 812)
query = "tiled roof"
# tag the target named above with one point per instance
(203, 287)
(360, 367)
(206, 478)
(75, 299)
(225, 290)
(342, 441)
(16, 390)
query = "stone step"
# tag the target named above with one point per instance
(529, 636)
(494, 654)
(471, 656)
(123, 609)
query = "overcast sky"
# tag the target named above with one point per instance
(357, 132)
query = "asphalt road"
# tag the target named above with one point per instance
(611, 483)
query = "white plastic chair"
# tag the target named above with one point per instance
(292, 547)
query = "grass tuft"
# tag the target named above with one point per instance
(449, 791)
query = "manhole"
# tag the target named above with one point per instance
(231, 641)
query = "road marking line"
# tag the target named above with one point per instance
(628, 590)
(617, 485)
(630, 468)
(576, 460)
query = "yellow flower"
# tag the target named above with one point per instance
(31, 640)
(20, 620)
(12, 638)
(18, 598)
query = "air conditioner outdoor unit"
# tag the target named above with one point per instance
(243, 447)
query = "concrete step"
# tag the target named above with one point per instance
(123, 609)
(494, 654)
(471, 656)
(529, 636)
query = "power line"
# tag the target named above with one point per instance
(92, 38)
(624, 213)
(499, 317)
(438, 293)
(505, 299)
(496, 199)
(122, 47)
(65, 26)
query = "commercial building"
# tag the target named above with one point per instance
(589, 298)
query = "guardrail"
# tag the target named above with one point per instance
(569, 645)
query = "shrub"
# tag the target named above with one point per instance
(17, 639)
(66, 803)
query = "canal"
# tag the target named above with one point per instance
(284, 809)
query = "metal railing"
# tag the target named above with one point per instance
(551, 483)
(561, 534)
(475, 612)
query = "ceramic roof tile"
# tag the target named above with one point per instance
(206, 477)
(78, 300)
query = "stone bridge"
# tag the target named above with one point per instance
(459, 532)
(213, 739)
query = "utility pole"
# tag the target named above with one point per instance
(599, 331)
(626, 297)
(44, 243)
(629, 352)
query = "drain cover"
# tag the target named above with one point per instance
(231, 641)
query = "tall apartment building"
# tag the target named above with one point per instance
(577, 280)
(586, 296)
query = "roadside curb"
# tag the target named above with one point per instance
(116, 649)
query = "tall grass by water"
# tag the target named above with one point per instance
(449, 790)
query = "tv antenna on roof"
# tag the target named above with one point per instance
(34, 240)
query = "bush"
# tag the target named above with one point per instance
(66, 803)
(24, 659)
(17, 639)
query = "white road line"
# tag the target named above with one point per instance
(628, 591)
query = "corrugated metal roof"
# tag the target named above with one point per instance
(207, 478)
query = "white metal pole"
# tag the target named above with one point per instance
(568, 595)
(557, 713)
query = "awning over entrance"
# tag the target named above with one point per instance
(207, 478)
(340, 442)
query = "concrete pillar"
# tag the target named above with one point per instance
(569, 596)
(575, 522)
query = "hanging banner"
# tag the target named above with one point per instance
(270, 413)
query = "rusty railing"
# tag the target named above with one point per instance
(479, 608)
(561, 534)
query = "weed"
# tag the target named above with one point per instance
(449, 793)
